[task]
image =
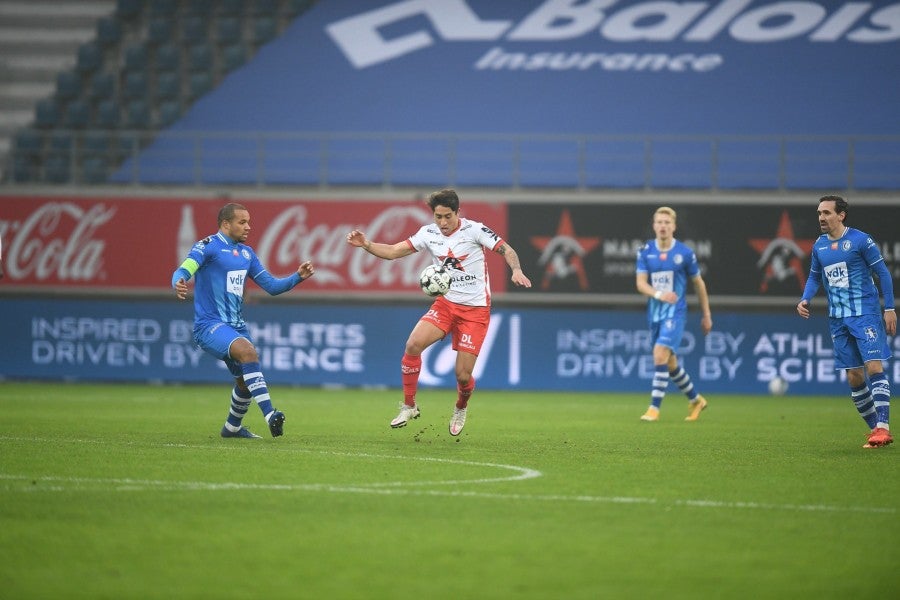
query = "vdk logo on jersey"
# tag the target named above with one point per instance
(838, 276)
(234, 282)
(362, 39)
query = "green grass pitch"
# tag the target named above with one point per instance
(127, 491)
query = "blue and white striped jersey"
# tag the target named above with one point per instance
(845, 267)
(220, 267)
(667, 271)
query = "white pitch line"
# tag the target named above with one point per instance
(387, 488)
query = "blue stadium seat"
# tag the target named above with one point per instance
(194, 30)
(169, 112)
(233, 56)
(200, 8)
(136, 57)
(109, 31)
(135, 85)
(57, 168)
(163, 8)
(102, 85)
(94, 169)
(159, 31)
(168, 85)
(61, 141)
(268, 8)
(228, 30)
(107, 115)
(231, 8)
(29, 143)
(95, 143)
(129, 9)
(46, 113)
(167, 57)
(200, 83)
(24, 169)
(68, 85)
(264, 30)
(200, 57)
(90, 57)
(137, 115)
(77, 115)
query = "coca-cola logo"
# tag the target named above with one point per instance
(55, 242)
(291, 238)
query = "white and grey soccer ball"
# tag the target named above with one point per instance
(778, 386)
(435, 281)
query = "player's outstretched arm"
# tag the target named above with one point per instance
(512, 259)
(358, 239)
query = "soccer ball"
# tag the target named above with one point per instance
(435, 281)
(778, 386)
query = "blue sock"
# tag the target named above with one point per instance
(240, 402)
(862, 398)
(256, 383)
(660, 383)
(881, 397)
(683, 381)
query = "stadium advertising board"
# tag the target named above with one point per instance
(134, 244)
(743, 250)
(315, 345)
(545, 67)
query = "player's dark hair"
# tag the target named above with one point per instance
(446, 197)
(226, 213)
(840, 205)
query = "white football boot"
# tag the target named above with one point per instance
(457, 421)
(407, 414)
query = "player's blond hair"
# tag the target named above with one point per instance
(665, 210)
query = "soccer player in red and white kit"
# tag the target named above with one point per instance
(464, 312)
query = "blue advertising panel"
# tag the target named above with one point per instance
(539, 67)
(361, 346)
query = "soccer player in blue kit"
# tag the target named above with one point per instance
(844, 260)
(663, 267)
(220, 265)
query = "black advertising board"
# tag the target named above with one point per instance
(746, 251)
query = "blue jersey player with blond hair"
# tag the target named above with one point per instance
(664, 266)
(220, 265)
(844, 260)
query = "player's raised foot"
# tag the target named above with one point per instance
(407, 414)
(457, 421)
(879, 438)
(276, 423)
(695, 408)
(243, 432)
(652, 414)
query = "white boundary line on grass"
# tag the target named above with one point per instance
(389, 488)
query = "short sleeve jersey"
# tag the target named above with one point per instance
(845, 268)
(667, 271)
(463, 253)
(219, 280)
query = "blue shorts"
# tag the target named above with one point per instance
(216, 339)
(667, 333)
(857, 340)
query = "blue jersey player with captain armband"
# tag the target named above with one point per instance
(220, 265)
(844, 260)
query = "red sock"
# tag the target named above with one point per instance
(410, 367)
(462, 399)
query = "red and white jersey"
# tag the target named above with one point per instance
(462, 252)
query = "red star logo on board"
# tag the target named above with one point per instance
(782, 256)
(561, 255)
(452, 261)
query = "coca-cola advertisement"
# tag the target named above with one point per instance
(134, 244)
